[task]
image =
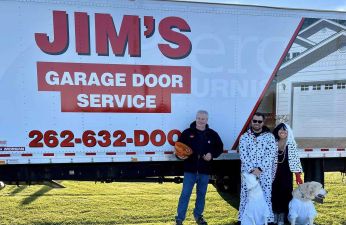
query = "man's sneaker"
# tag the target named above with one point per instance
(201, 221)
(178, 222)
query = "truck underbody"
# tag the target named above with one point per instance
(225, 175)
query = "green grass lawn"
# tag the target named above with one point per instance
(135, 203)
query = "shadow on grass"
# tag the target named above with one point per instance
(17, 189)
(231, 198)
(36, 195)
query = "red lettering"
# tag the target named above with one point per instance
(161, 135)
(149, 23)
(61, 41)
(50, 138)
(89, 139)
(170, 136)
(128, 35)
(141, 137)
(37, 141)
(82, 33)
(119, 136)
(68, 138)
(166, 30)
(106, 136)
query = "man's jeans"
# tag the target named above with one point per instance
(190, 179)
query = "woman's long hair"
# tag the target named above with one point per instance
(284, 126)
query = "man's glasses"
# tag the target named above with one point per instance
(257, 121)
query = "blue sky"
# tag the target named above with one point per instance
(339, 5)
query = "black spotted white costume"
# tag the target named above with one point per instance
(258, 152)
(293, 157)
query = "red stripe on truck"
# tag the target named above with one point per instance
(340, 149)
(324, 149)
(70, 154)
(111, 153)
(27, 154)
(48, 154)
(130, 153)
(5, 155)
(168, 153)
(308, 149)
(90, 153)
(150, 153)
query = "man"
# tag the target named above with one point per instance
(206, 145)
(257, 150)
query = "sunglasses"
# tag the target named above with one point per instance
(257, 121)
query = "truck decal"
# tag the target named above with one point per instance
(116, 81)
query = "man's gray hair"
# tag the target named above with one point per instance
(203, 112)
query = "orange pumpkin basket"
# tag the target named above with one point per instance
(181, 150)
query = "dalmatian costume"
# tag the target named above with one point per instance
(258, 152)
(293, 156)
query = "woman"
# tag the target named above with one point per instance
(288, 162)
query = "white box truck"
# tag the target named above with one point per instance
(101, 90)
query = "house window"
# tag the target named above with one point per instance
(342, 49)
(316, 87)
(341, 85)
(287, 57)
(328, 86)
(304, 87)
(295, 54)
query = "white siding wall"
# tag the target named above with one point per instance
(283, 98)
(319, 71)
